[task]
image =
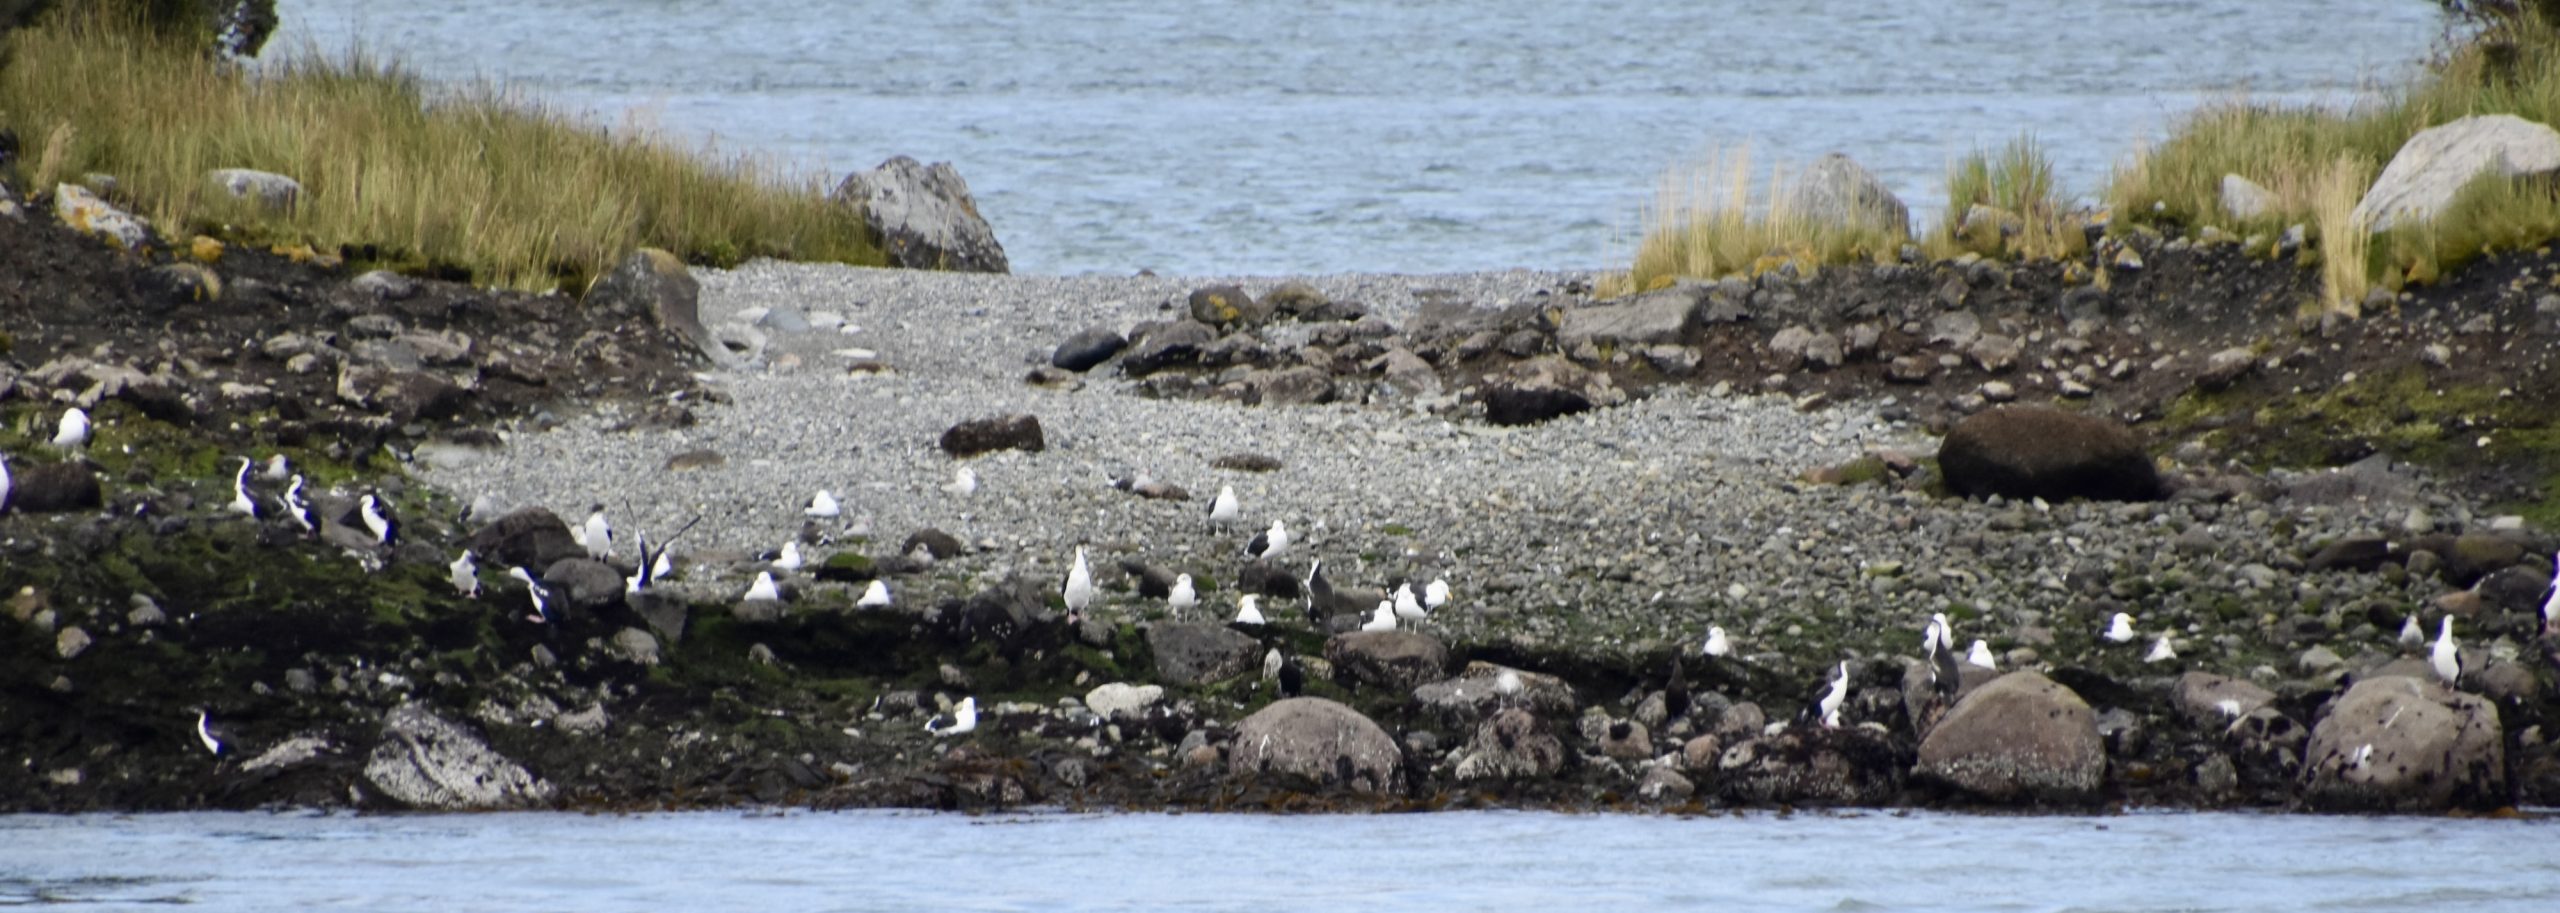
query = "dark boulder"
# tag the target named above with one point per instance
(1011, 432)
(53, 487)
(1087, 350)
(1189, 655)
(1402, 660)
(939, 544)
(531, 537)
(2036, 452)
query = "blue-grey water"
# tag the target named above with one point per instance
(1322, 136)
(1377, 864)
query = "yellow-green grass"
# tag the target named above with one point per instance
(2512, 68)
(467, 179)
(1705, 223)
(2345, 267)
(2029, 218)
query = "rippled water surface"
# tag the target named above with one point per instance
(1238, 136)
(1454, 861)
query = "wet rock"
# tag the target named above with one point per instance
(268, 189)
(924, 216)
(1656, 317)
(1191, 654)
(2434, 165)
(1012, 432)
(1835, 191)
(45, 488)
(529, 537)
(2213, 701)
(1319, 740)
(1227, 306)
(1511, 745)
(636, 645)
(1087, 350)
(427, 762)
(1471, 694)
(1170, 345)
(1625, 740)
(584, 582)
(2034, 452)
(2020, 738)
(1811, 765)
(2405, 744)
(1662, 784)
(653, 284)
(1401, 660)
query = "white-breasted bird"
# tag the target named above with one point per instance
(1249, 610)
(821, 504)
(295, 507)
(788, 559)
(2551, 601)
(1078, 591)
(541, 594)
(241, 503)
(466, 575)
(1271, 662)
(73, 432)
(1183, 596)
(964, 482)
(386, 531)
(2162, 650)
(763, 589)
(4, 482)
(1224, 508)
(1408, 609)
(964, 719)
(1506, 685)
(1717, 644)
(2411, 633)
(1832, 699)
(1268, 544)
(2120, 628)
(277, 468)
(874, 596)
(2447, 657)
(1436, 594)
(596, 535)
(1980, 655)
(204, 733)
(1384, 619)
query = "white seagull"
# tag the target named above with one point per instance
(277, 468)
(2161, 650)
(1717, 644)
(1831, 700)
(596, 535)
(1182, 597)
(763, 589)
(204, 733)
(1507, 685)
(4, 482)
(2447, 657)
(2120, 628)
(2411, 633)
(1436, 594)
(466, 575)
(963, 483)
(1223, 509)
(1407, 608)
(1079, 591)
(874, 596)
(241, 503)
(1384, 619)
(789, 559)
(383, 527)
(821, 505)
(964, 719)
(1268, 544)
(1980, 655)
(2550, 602)
(541, 594)
(74, 430)
(1249, 610)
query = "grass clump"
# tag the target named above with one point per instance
(2346, 270)
(2007, 204)
(471, 180)
(1706, 223)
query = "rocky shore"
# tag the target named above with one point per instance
(1817, 465)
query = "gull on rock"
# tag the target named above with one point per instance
(1182, 597)
(1507, 685)
(595, 536)
(1436, 594)
(821, 504)
(1980, 655)
(241, 503)
(386, 531)
(466, 575)
(2162, 650)
(1268, 544)
(204, 733)
(2120, 629)
(2447, 657)
(277, 468)
(4, 482)
(1407, 608)
(788, 559)
(763, 589)
(1384, 619)
(1717, 643)
(73, 432)
(964, 719)
(1249, 610)
(874, 596)
(2550, 601)
(295, 507)
(1224, 509)
(534, 588)
(2411, 634)
(1831, 700)
(1079, 591)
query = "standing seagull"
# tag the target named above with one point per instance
(1832, 699)
(2550, 603)
(1941, 649)
(466, 575)
(1183, 597)
(4, 482)
(1717, 644)
(1408, 609)
(1079, 591)
(534, 588)
(1384, 619)
(2448, 655)
(2120, 628)
(597, 535)
(240, 500)
(204, 733)
(1269, 543)
(874, 596)
(1437, 594)
(2411, 634)
(1249, 610)
(74, 430)
(386, 531)
(1223, 509)
(788, 559)
(1981, 656)
(296, 508)
(821, 504)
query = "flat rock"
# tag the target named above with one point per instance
(2035, 452)
(1086, 350)
(1321, 741)
(1402, 660)
(1657, 317)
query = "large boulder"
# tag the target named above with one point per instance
(427, 762)
(1401, 660)
(583, 582)
(1086, 350)
(1191, 654)
(1175, 344)
(924, 216)
(1020, 431)
(2434, 165)
(2020, 738)
(402, 396)
(87, 214)
(1543, 388)
(2036, 452)
(653, 284)
(533, 537)
(1837, 192)
(2406, 744)
(41, 488)
(1319, 740)
(1511, 745)
(1471, 694)
(1656, 317)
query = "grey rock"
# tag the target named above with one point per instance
(1835, 191)
(1118, 699)
(1191, 654)
(583, 723)
(2246, 199)
(1510, 745)
(636, 645)
(427, 762)
(2201, 697)
(2226, 367)
(583, 582)
(2431, 748)
(1662, 784)
(1319, 740)
(1810, 765)
(44, 488)
(1171, 345)
(1299, 386)
(1227, 306)
(2434, 165)
(924, 216)
(1401, 660)
(1653, 318)
(384, 284)
(2022, 737)
(401, 396)
(70, 642)
(653, 284)
(86, 213)
(265, 188)
(531, 537)
(1010, 432)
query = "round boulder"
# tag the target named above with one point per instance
(2036, 452)
(532, 537)
(2020, 738)
(1401, 660)
(2405, 744)
(1084, 351)
(1319, 740)
(1196, 654)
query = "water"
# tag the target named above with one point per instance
(1321, 136)
(1455, 861)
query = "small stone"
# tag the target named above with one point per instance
(71, 642)
(636, 645)
(1999, 391)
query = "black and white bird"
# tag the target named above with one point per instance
(73, 432)
(4, 482)
(1269, 544)
(1436, 594)
(1183, 596)
(2550, 600)
(277, 468)
(1831, 700)
(644, 574)
(1944, 677)
(385, 528)
(1408, 608)
(1224, 508)
(1249, 610)
(540, 594)
(874, 596)
(1383, 619)
(466, 575)
(205, 733)
(2120, 629)
(1717, 644)
(763, 589)
(821, 505)
(1078, 590)
(295, 508)
(241, 503)
(2447, 657)
(596, 536)
(964, 719)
